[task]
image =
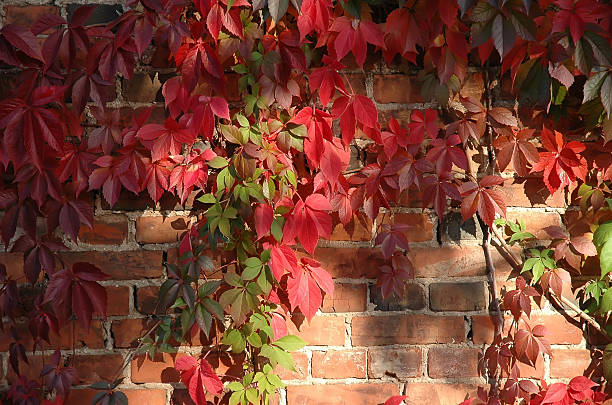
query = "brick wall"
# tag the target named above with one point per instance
(361, 349)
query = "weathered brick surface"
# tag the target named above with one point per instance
(395, 362)
(437, 393)
(321, 331)
(160, 229)
(397, 89)
(118, 300)
(407, 329)
(27, 15)
(346, 298)
(421, 225)
(339, 364)
(452, 362)
(570, 363)
(107, 230)
(457, 296)
(413, 298)
(560, 330)
(340, 394)
(126, 265)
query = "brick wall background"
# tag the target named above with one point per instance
(361, 349)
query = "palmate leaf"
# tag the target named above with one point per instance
(197, 375)
(76, 289)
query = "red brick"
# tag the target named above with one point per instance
(356, 81)
(129, 201)
(300, 361)
(148, 396)
(346, 298)
(321, 331)
(340, 394)
(528, 371)
(358, 230)
(421, 226)
(339, 364)
(107, 230)
(94, 368)
(570, 363)
(473, 86)
(161, 368)
(141, 87)
(407, 329)
(452, 362)
(396, 362)
(453, 261)
(14, 265)
(531, 192)
(437, 394)
(536, 221)
(412, 297)
(397, 88)
(160, 229)
(83, 339)
(457, 296)
(560, 331)
(118, 300)
(351, 262)
(127, 331)
(27, 15)
(127, 265)
(146, 299)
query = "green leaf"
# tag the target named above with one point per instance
(204, 319)
(602, 234)
(277, 8)
(606, 302)
(207, 199)
(606, 94)
(250, 273)
(600, 47)
(592, 86)
(290, 343)
(605, 258)
(235, 386)
(217, 162)
(583, 56)
(277, 356)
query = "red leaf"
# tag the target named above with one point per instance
(353, 35)
(166, 139)
(77, 290)
(365, 111)
(197, 375)
(22, 39)
(395, 400)
(556, 392)
(305, 284)
(477, 197)
(581, 383)
(264, 215)
(282, 258)
(308, 221)
(562, 164)
(514, 146)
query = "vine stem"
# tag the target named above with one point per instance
(492, 276)
(130, 355)
(564, 300)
